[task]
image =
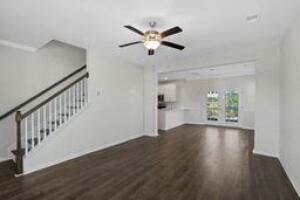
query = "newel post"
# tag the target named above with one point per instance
(19, 153)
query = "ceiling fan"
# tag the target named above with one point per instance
(152, 39)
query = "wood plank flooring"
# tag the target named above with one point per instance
(187, 163)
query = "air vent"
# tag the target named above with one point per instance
(252, 18)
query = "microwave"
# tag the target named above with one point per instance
(161, 98)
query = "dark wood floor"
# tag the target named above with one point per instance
(186, 163)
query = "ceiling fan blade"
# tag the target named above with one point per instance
(129, 44)
(134, 30)
(150, 52)
(172, 45)
(171, 31)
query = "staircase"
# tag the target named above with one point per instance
(43, 120)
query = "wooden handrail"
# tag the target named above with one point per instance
(41, 93)
(23, 116)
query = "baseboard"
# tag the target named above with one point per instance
(221, 125)
(247, 128)
(194, 123)
(265, 154)
(286, 166)
(3, 159)
(172, 127)
(56, 162)
(151, 134)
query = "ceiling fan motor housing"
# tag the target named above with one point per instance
(152, 36)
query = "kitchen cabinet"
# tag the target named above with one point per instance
(169, 92)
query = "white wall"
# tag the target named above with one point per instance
(116, 115)
(150, 100)
(24, 74)
(290, 105)
(267, 57)
(191, 96)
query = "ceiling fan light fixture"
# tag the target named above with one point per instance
(152, 44)
(152, 40)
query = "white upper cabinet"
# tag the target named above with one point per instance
(169, 92)
(161, 89)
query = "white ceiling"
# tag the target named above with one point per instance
(207, 24)
(230, 70)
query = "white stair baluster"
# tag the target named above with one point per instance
(86, 91)
(45, 122)
(39, 125)
(83, 90)
(69, 104)
(55, 113)
(78, 96)
(50, 117)
(65, 106)
(32, 131)
(26, 135)
(81, 93)
(60, 109)
(74, 101)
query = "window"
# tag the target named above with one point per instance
(212, 106)
(231, 106)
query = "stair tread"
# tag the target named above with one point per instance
(72, 107)
(29, 141)
(57, 122)
(45, 130)
(64, 114)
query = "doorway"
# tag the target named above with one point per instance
(223, 107)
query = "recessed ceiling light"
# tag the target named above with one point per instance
(252, 18)
(166, 78)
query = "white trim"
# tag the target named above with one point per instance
(150, 134)
(172, 127)
(194, 123)
(248, 128)
(286, 166)
(61, 160)
(265, 154)
(17, 46)
(221, 125)
(18, 175)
